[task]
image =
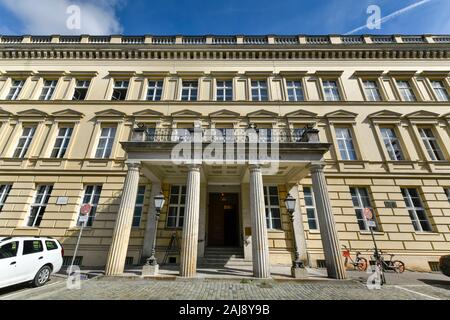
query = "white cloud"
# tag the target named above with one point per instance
(51, 16)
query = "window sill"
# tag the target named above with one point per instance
(379, 233)
(427, 233)
(27, 228)
(275, 230)
(314, 231)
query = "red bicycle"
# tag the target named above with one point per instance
(359, 263)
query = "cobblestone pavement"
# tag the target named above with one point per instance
(105, 288)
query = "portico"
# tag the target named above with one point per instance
(246, 175)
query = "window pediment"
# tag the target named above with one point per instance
(186, 114)
(68, 113)
(262, 114)
(342, 114)
(110, 113)
(301, 114)
(148, 113)
(385, 114)
(34, 113)
(224, 114)
(5, 114)
(422, 115)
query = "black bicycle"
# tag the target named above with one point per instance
(384, 265)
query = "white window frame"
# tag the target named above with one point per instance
(4, 192)
(312, 207)
(406, 92)
(269, 206)
(390, 142)
(96, 190)
(139, 206)
(291, 86)
(81, 85)
(109, 138)
(372, 90)
(45, 191)
(259, 86)
(65, 141)
(346, 153)
(48, 90)
(178, 207)
(187, 89)
(440, 90)
(331, 90)
(154, 87)
(120, 85)
(412, 210)
(225, 87)
(16, 89)
(27, 140)
(358, 196)
(436, 153)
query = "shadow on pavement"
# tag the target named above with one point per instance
(443, 284)
(15, 288)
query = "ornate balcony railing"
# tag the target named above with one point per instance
(160, 135)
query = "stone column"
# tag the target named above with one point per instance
(330, 240)
(151, 216)
(298, 227)
(189, 243)
(121, 236)
(260, 244)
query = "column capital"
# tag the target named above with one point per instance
(194, 167)
(254, 167)
(133, 165)
(317, 167)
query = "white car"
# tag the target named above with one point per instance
(28, 259)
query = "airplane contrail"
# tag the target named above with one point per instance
(392, 15)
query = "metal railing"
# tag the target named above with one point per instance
(164, 135)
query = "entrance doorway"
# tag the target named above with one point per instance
(223, 224)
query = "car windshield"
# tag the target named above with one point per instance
(9, 250)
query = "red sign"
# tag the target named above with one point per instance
(85, 209)
(368, 213)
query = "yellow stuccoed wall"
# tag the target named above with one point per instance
(381, 177)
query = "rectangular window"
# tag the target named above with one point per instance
(48, 89)
(154, 90)
(310, 204)
(24, 142)
(39, 204)
(189, 91)
(91, 196)
(416, 210)
(361, 200)
(62, 142)
(105, 143)
(15, 90)
(177, 202)
(32, 246)
(4, 192)
(224, 90)
(331, 90)
(259, 90)
(137, 216)
(440, 90)
(9, 250)
(431, 144)
(295, 90)
(81, 90)
(392, 144)
(345, 144)
(120, 90)
(371, 90)
(406, 91)
(272, 204)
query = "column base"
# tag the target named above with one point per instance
(299, 273)
(148, 270)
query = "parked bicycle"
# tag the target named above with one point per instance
(359, 263)
(388, 265)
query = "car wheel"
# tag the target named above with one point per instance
(42, 276)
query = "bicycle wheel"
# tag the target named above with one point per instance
(362, 264)
(398, 266)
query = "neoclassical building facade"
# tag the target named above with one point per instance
(341, 123)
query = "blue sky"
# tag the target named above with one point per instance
(135, 17)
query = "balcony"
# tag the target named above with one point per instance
(252, 135)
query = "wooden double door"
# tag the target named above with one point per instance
(223, 220)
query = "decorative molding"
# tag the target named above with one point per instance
(186, 114)
(262, 114)
(33, 113)
(422, 114)
(224, 113)
(385, 114)
(110, 113)
(68, 113)
(301, 114)
(341, 114)
(148, 113)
